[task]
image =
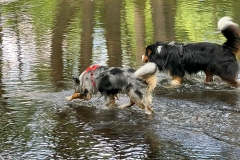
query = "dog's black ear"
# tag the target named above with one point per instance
(76, 80)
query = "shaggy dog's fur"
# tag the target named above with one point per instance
(110, 81)
(212, 59)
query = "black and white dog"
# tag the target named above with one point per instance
(212, 59)
(110, 81)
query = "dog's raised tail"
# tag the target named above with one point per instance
(148, 73)
(232, 32)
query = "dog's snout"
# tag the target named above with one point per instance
(144, 58)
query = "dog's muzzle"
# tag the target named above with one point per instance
(144, 58)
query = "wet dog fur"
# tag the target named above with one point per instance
(212, 59)
(110, 81)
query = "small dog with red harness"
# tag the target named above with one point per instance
(110, 81)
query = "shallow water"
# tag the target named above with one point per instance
(43, 44)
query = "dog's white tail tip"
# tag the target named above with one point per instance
(147, 69)
(225, 22)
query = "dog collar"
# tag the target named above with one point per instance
(180, 51)
(91, 69)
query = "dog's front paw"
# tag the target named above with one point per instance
(149, 110)
(121, 106)
(69, 98)
(111, 105)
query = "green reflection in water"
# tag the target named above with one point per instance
(72, 43)
(43, 14)
(99, 51)
(43, 18)
(148, 23)
(136, 30)
(197, 20)
(128, 32)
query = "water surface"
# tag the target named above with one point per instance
(43, 44)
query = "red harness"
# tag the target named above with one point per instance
(91, 69)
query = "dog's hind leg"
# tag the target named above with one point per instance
(176, 80)
(229, 73)
(209, 76)
(147, 108)
(129, 104)
(116, 96)
(143, 104)
(234, 83)
(111, 102)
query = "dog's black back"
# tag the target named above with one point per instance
(215, 58)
